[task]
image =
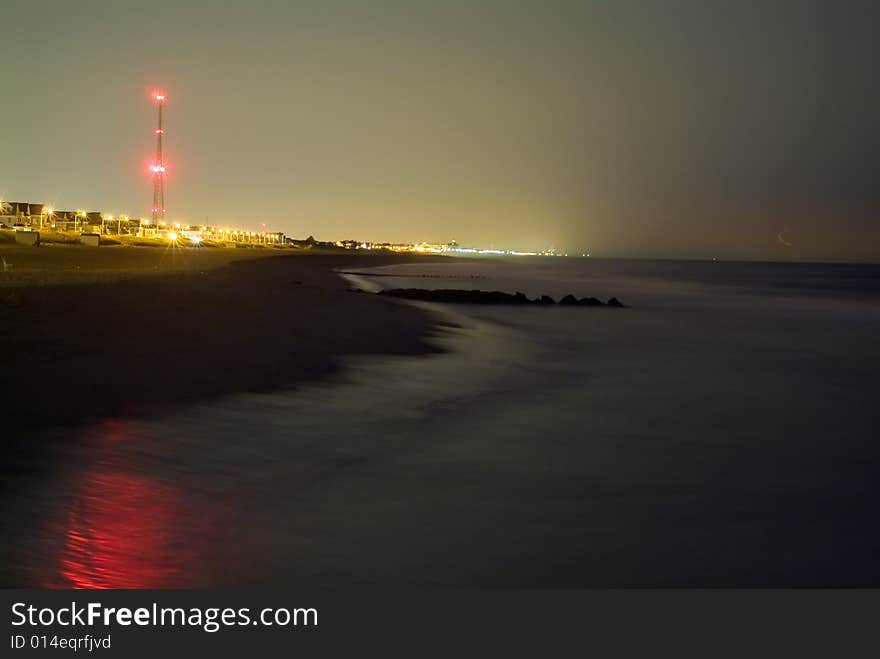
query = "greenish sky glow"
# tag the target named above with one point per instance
(693, 128)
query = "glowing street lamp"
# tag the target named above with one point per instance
(48, 212)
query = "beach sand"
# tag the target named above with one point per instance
(98, 332)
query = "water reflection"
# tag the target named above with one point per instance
(120, 534)
(111, 523)
(246, 490)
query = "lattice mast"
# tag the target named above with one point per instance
(158, 166)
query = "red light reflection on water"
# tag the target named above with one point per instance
(120, 528)
(120, 534)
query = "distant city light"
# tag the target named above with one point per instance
(195, 235)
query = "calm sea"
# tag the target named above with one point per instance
(722, 431)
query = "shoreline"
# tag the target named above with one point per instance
(560, 428)
(128, 344)
(139, 342)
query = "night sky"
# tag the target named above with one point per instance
(673, 129)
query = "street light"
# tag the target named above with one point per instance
(81, 214)
(44, 211)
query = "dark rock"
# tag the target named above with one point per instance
(460, 296)
(457, 296)
(614, 302)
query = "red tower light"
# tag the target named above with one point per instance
(157, 167)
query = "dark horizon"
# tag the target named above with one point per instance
(694, 130)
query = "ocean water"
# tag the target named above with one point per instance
(721, 431)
